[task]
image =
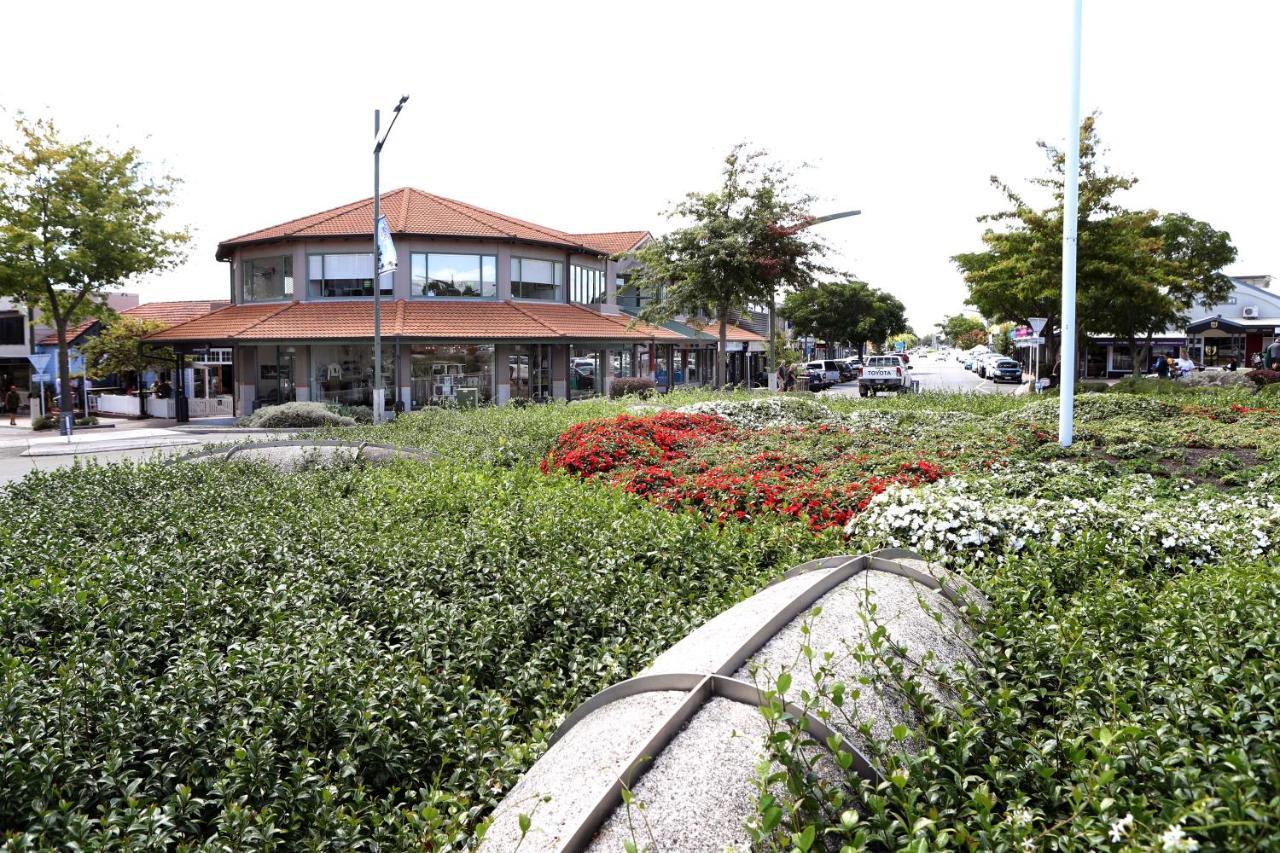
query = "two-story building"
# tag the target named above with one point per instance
(482, 308)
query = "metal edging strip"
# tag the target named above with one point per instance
(605, 806)
(410, 452)
(790, 611)
(701, 689)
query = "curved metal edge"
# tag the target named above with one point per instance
(953, 587)
(623, 689)
(254, 445)
(834, 577)
(702, 689)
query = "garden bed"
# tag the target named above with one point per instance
(237, 656)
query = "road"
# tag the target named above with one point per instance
(22, 451)
(937, 374)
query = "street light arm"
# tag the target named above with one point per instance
(818, 220)
(395, 115)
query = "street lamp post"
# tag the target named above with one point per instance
(379, 405)
(773, 297)
(1070, 211)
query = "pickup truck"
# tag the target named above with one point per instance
(884, 373)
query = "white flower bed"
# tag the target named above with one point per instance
(768, 412)
(957, 521)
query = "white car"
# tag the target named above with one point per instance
(828, 369)
(884, 373)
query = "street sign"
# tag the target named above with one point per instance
(1037, 323)
(900, 346)
(40, 361)
(1029, 342)
(42, 377)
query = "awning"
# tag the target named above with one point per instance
(1216, 324)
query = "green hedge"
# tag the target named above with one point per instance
(225, 654)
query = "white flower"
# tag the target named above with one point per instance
(1120, 828)
(1020, 817)
(1174, 838)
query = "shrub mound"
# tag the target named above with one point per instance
(1262, 377)
(638, 386)
(296, 415)
(1216, 379)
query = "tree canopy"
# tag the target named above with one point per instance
(743, 241)
(118, 349)
(850, 313)
(955, 326)
(78, 219)
(1138, 272)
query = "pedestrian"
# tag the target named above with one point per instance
(791, 378)
(1162, 367)
(11, 403)
(1274, 352)
(782, 376)
(1185, 365)
(1232, 364)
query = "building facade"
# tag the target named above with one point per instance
(482, 308)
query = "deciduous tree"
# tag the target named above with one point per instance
(850, 313)
(118, 349)
(742, 242)
(78, 219)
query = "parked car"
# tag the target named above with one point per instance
(1004, 370)
(829, 368)
(816, 379)
(970, 362)
(884, 373)
(848, 372)
(984, 364)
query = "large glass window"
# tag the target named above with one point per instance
(586, 285)
(268, 279)
(535, 279)
(345, 375)
(529, 373)
(439, 274)
(630, 296)
(451, 375)
(586, 372)
(343, 276)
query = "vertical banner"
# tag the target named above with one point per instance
(386, 248)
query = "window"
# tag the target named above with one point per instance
(12, 329)
(451, 375)
(586, 285)
(436, 274)
(534, 279)
(268, 279)
(330, 276)
(630, 296)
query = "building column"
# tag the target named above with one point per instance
(560, 371)
(246, 372)
(501, 373)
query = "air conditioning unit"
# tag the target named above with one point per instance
(1251, 312)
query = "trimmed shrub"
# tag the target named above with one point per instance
(1216, 379)
(1262, 376)
(359, 414)
(1087, 387)
(44, 422)
(296, 415)
(640, 386)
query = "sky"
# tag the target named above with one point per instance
(598, 116)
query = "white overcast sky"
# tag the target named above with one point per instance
(595, 116)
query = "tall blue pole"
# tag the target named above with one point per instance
(1070, 214)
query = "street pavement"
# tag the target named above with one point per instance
(943, 374)
(22, 451)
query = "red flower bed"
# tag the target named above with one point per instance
(703, 464)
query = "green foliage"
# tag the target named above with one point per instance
(338, 657)
(1138, 272)
(956, 326)
(742, 242)
(1104, 705)
(78, 219)
(636, 386)
(297, 415)
(117, 349)
(851, 313)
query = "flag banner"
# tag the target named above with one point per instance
(386, 249)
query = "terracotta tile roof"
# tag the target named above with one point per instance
(411, 211)
(613, 242)
(74, 332)
(221, 325)
(734, 332)
(173, 313)
(422, 319)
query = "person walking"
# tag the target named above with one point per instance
(791, 378)
(11, 403)
(1273, 352)
(782, 376)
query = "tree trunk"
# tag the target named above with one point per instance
(1134, 354)
(1150, 352)
(722, 356)
(66, 401)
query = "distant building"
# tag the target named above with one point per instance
(483, 308)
